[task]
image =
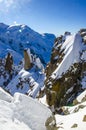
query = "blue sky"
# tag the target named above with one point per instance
(52, 16)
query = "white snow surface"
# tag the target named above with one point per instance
(84, 56)
(66, 122)
(5, 96)
(33, 77)
(72, 47)
(83, 82)
(76, 116)
(22, 112)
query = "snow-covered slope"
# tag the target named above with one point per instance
(70, 117)
(72, 47)
(66, 72)
(15, 38)
(75, 117)
(27, 82)
(22, 112)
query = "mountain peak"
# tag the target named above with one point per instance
(18, 37)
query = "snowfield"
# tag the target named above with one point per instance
(22, 112)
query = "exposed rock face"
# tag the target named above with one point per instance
(9, 63)
(56, 55)
(27, 60)
(7, 74)
(66, 72)
(84, 119)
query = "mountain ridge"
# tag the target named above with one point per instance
(18, 37)
(68, 63)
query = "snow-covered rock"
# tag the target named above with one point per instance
(66, 72)
(5, 96)
(22, 113)
(16, 79)
(27, 82)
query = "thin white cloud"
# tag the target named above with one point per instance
(7, 5)
(1, 0)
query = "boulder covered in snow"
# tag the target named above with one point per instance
(22, 113)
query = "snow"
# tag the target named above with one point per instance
(34, 78)
(80, 97)
(66, 122)
(39, 64)
(56, 57)
(43, 100)
(83, 57)
(22, 113)
(72, 48)
(83, 82)
(69, 90)
(29, 54)
(75, 116)
(18, 37)
(5, 96)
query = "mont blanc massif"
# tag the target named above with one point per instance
(42, 79)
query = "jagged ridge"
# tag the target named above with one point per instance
(66, 72)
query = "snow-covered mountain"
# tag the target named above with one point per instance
(62, 83)
(18, 79)
(15, 38)
(66, 72)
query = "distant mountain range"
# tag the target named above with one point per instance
(15, 38)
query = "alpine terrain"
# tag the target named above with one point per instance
(39, 91)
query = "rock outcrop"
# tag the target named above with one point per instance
(27, 60)
(9, 63)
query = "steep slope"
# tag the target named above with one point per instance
(66, 72)
(15, 38)
(70, 117)
(28, 80)
(22, 112)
